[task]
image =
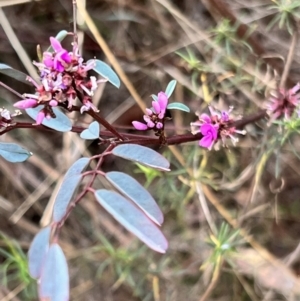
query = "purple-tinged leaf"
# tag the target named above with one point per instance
(16, 74)
(37, 252)
(54, 283)
(13, 152)
(178, 106)
(60, 123)
(137, 193)
(170, 88)
(68, 188)
(60, 36)
(107, 72)
(132, 219)
(92, 132)
(143, 155)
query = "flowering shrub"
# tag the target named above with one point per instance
(67, 83)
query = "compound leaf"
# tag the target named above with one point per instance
(60, 123)
(68, 188)
(13, 152)
(137, 193)
(142, 155)
(54, 284)
(37, 252)
(132, 219)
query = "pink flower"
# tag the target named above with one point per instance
(63, 75)
(154, 118)
(284, 103)
(61, 58)
(215, 127)
(26, 104)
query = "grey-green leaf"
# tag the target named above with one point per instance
(68, 188)
(16, 74)
(61, 123)
(37, 252)
(137, 193)
(171, 87)
(132, 219)
(92, 132)
(60, 36)
(142, 155)
(54, 282)
(106, 71)
(178, 106)
(13, 152)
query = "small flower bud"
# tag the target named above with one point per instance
(40, 117)
(26, 104)
(139, 126)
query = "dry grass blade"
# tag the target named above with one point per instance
(27, 62)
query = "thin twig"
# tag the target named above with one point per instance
(11, 90)
(75, 37)
(110, 56)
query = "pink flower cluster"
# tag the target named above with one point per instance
(154, 117)
(64, 77)
(283, 103)
(214, 127)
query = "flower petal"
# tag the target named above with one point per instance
(149, 112)
(225, 116)
(162, 100)
(156, 107)
(209, 129)
(55, 44)
(207, 142)
(205, 118)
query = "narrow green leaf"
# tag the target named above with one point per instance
(154, 97)
(107, 72)
(142, 155)
(13, 152)
(178, 106)
(170, 88)
(132, 219)
(16, 74)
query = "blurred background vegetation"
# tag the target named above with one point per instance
(229, 214)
